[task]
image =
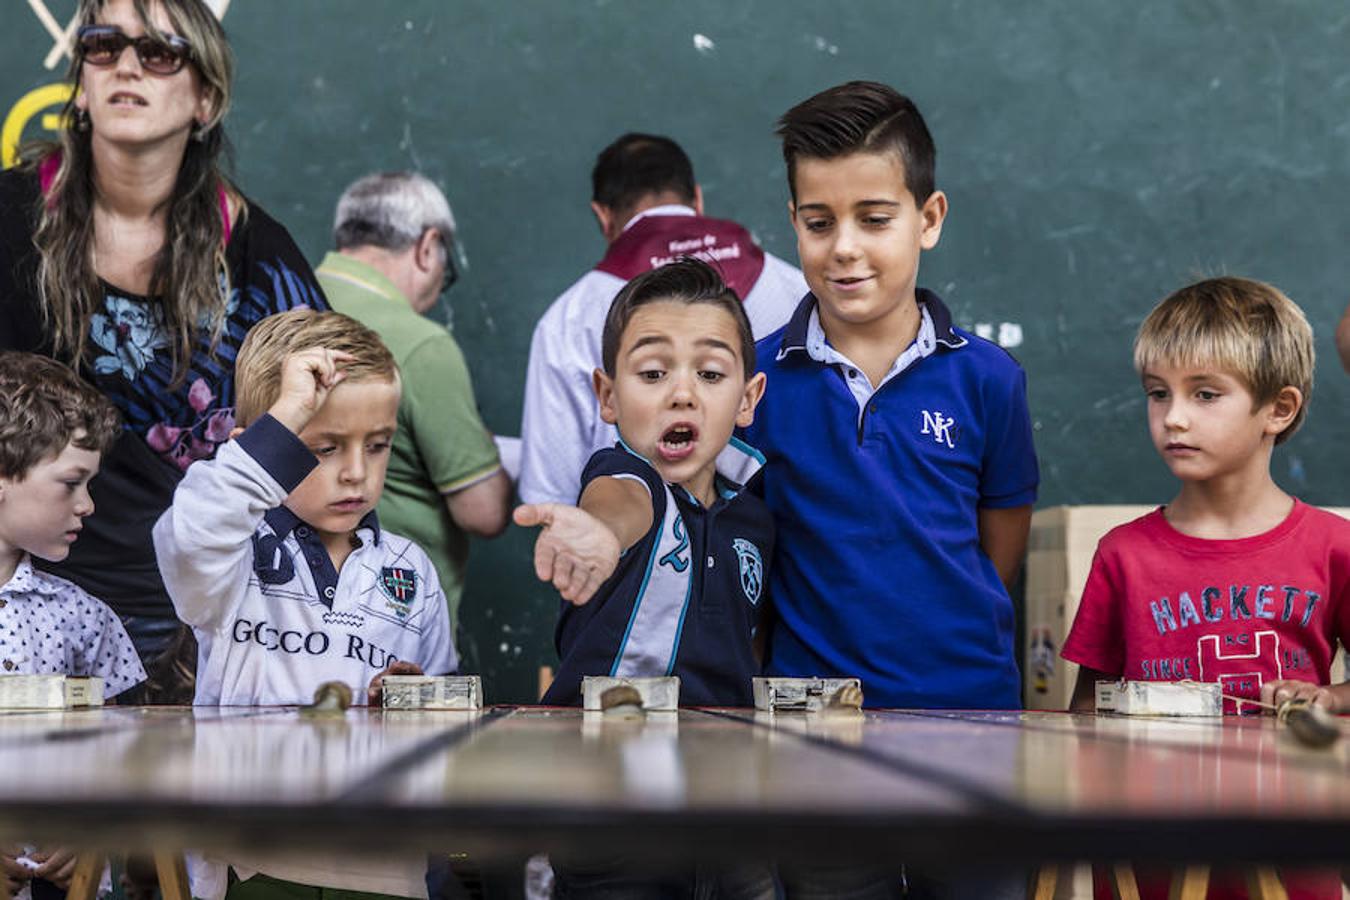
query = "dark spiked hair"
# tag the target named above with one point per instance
(860, 117)
(688, 281)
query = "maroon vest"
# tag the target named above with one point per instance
(653, 241)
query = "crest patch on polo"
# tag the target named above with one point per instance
(752, 568)
(400, 588)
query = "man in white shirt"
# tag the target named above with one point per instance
(650, 211)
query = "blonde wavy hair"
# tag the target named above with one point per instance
(1247, 328)
(257, 369)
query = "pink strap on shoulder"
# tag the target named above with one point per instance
(47, 170)
(224, 212)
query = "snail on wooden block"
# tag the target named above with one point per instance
(622, 701)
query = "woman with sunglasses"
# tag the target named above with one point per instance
(125, 252)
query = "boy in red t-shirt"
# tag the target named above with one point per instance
(1234, 581)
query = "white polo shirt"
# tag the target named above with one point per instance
(273, 619)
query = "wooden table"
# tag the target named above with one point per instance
(935, 788)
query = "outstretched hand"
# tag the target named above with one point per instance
(575, 551)
(307, 378)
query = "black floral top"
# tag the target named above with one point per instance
(167, 428)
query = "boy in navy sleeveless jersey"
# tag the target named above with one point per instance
(662, 561)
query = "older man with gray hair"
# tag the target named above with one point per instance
(394, 234)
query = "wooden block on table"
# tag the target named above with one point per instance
(1160, 698)
(804, 694)
(659, 694)
(49, 692)
(432, 692)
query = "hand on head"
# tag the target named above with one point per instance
(576, 552)
(307, 378)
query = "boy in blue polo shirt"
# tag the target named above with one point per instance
(661, 563)
(899, 461)
(899, 464)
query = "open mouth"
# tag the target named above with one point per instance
(677, 441)
(125, 99)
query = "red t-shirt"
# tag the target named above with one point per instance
(1160, 605)
(1163, 606)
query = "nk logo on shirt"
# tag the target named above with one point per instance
(939, 426)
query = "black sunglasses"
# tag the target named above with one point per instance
(102, 45)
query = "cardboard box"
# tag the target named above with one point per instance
(1059, 556)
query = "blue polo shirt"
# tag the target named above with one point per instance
(684, 599)
(878, 571)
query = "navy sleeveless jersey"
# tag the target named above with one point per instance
(684, 600)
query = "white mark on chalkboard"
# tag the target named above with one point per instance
(825, 46)
(407, 146)
(704, 44)
(1005, 334)
(1056, 234)
(1215, 83)
(1297, 474)
(1279, 72)
(407, 25)
(1009, 334)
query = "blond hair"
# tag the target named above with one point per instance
(257, 369)
(1247, 328)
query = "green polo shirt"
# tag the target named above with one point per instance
(442, 445)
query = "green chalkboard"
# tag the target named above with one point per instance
(1097, 155)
